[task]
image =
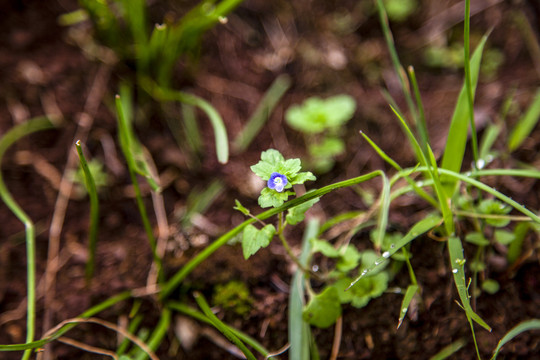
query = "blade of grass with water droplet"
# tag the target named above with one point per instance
(457, 263)
(424, 225)
(409, 295)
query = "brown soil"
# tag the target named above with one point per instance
(41, 71)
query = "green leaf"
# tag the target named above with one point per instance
(273, 198)
(533, 324)
(302, 177)
(298, 213)
(490, 286)
(349, 259)
(504, 237)
(271, 160)
(323, 309)
(254, 239)
(316, 115)
(526, 124)
(362, 291)
(476, 238)
(324, 247)
(494, 207)
(329, 147)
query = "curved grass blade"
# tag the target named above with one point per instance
(220, 133)
(12, 136)
(218, 324)
(457, 134)
(533, 324)
(94, 212)
(525, 124)
(418, 229)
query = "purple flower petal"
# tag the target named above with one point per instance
(277, 181)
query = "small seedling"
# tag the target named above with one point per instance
(321, 122)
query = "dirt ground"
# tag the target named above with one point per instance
(326, 48)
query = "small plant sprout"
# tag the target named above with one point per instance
(280, 175)
(321, 122)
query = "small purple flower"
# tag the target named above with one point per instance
(277, 181)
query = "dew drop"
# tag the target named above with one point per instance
(480, 163)
(455, 271)
(377, 262)
(364, 272)
(404, 310)
(392, 246)
(315, 268)
(386, 255)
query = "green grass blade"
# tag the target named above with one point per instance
(457, 263)
(409, 295)
(449, 350)
(400, 72)
(421, 126)
(94, 212)
(132, 329)
(457, 134)
(418, 229)
(528, 325)
(127, 139)
(157, 335)
(525, 124)
(383, 212)
(10, 137)
(490, 135)
(262, 113)
(299, 330)
(224, 329)
(220, 133)
(468, 80)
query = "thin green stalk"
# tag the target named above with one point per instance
(177, 278)
(158, 334)
(421, 125)
(468, 81)
(218, 324)
(94, 212)
(395, 59)
(12, 136)
(126, 145)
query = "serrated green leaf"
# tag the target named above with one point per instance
(271, 161)
(298, 213)
(254, 239)
(324, 247)
(494, 207)
(362, 291)
(290, 167)
(323, 309)
(302, 177)
(349, 259)
(273, 198)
